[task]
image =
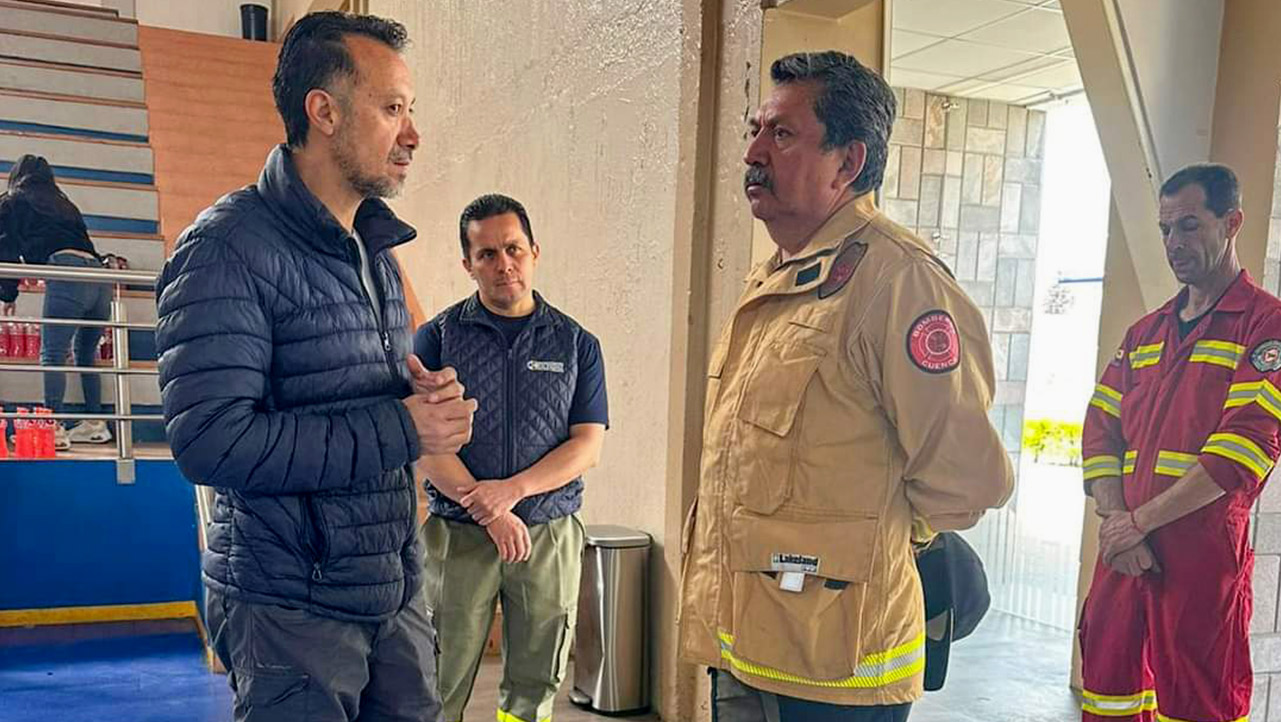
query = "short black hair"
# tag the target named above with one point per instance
(854, 103)
(488, 206)
(314, 55)
(1222, 190)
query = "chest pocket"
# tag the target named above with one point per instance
(770, 410)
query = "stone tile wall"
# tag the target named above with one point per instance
(1265, 627)
(966, 176)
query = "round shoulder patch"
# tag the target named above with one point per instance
(933, 343)
(1266, 357)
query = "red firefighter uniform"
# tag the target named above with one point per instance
(1175, 646)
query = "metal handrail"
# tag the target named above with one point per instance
(78, 322)
(89, 275)
(120, 369)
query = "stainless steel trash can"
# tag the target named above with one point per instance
(611, 640)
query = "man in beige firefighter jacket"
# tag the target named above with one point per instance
(847, 398)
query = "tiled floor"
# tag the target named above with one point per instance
(1009, 671)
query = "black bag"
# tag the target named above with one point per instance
(956, 599)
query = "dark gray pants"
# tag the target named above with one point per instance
(288, 664)
(733, 701)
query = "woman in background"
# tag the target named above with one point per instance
(40, 225)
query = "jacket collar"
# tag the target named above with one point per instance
(473, 311)
(1234, 300)
(811, 268)
(309, 220)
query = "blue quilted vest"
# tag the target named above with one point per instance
(524, 395)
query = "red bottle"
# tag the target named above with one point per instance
(4, 442)
(22, 437)
(44, 430)
(4, 341)
(33, 341)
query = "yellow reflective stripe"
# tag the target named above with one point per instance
(1163, 718)
(509, 717)
(1174, 463)
(876, 670)
(1124, 705)
(1242, 394)
(1220, 353)
(1241, 450)
(1108, 399)
(1144, 356)
(1097, 467)
(1131, 456)
(1260, 392)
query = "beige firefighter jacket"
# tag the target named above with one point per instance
(847, 397)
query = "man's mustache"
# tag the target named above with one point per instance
(756, 176)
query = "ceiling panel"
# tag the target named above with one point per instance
(1060, 77)
(1033, 30)
(1010, 93)
(950, 17)
(903, 42)
(956, 57)
(1015, 73)
(1009, 50)
(963, 87)
(923, 81)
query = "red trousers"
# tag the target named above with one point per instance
(1173, 646)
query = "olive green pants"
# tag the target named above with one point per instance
(463, 576)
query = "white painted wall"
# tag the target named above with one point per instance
(1174, 47)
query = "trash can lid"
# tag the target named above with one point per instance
(612, 536)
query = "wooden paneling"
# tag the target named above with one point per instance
(211, 117)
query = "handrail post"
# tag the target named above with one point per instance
(125, 469)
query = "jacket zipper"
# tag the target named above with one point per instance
(383, 336)
(509, 451)
(320, 556)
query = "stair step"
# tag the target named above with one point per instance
(54, 4)
(95, 159)
(122, 200)
(70, 80)
(145, 253)
(79, 99)
(41, 47)
(97, 223)
(73, 23)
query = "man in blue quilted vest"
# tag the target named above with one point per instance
(504, 522)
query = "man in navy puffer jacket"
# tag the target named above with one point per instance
(284, 342)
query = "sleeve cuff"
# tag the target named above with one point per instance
(409, 431)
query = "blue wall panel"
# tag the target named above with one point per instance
(70, 536)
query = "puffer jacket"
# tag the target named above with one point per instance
(282, 389)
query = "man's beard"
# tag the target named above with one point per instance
(368, 186)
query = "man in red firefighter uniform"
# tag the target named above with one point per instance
(1180, 435)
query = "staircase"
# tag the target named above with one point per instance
(145, 127)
